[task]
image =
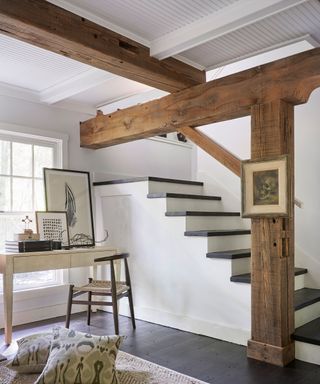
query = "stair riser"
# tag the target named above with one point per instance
(299, 282)
(156, 187)
(307, 352)
(176, 204)
(239, 266)
(194, 223)
(223, 243)
(307, 314)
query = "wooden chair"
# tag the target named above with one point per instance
(116, 290)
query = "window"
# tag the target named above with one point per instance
(22, 159)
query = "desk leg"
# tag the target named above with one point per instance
(8, 301)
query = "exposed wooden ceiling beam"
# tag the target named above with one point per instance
(45, 25)
(291, 79)
(217, 24)
(232, 162)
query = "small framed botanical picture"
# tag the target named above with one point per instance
(264, 187)
(53, 225)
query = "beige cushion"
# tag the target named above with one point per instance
(76, 357)
(32, 354)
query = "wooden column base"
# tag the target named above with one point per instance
(272, 354)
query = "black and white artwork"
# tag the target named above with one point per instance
(53, 226)
(69, 191)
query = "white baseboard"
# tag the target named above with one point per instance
(194, 325)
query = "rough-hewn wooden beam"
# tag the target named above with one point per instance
(41, 23)
(291, 79)
(214, 149)
(272, 244)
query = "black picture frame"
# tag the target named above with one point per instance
(70, 190)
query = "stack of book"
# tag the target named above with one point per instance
(28, 246)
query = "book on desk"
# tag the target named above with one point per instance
(31, 246)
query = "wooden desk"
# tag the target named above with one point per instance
(11, 263)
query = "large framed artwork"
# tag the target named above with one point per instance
(69, 190)
(265, 187)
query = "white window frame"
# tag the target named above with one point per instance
(59, 143)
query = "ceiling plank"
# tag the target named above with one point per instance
(45, 25)
(291, 79)
(220, 23)
(75, 85)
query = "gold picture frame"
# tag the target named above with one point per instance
(264, 187)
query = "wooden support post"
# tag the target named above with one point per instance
(272, 249)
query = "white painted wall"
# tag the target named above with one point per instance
(145, 157)
(174, 284)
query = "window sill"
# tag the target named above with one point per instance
(37, 292)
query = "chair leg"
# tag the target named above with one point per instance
(89, 308)
(131, 308)
(114, 298)
(69, 305)
(89, 305)
(115, 315)
(128, 282)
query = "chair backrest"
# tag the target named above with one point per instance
(120, 256)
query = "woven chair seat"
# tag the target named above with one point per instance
(103, 286)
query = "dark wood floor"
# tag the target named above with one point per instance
(208, 359)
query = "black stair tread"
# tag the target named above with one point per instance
(309, 333)
(306, 296)
(149, 178)
(246, 277)
(201, 213)
(218, 232)
(231, 254)
(181, 196)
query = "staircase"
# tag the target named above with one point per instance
(225, 238)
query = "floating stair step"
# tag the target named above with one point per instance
(309, 333)
(218, 232)
(181, 196)
(201, 213)
(306, 296)
(246, 277)
(232, 254)
(149, 178)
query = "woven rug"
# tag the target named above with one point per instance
(131, 370)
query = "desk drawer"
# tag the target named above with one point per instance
(82, 259)
(85, 259)
(40, 263)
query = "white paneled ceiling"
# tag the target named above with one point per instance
(203, 33)
(149, 19)
(30, 67)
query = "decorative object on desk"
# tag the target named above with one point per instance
(264, 187)
(53, 225)
(27, 233)
(68, 190)
(28, 246)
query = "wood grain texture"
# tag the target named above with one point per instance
(225, 157)
(47, 26)
(272, 249)
(272, 354)
(291, 79)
